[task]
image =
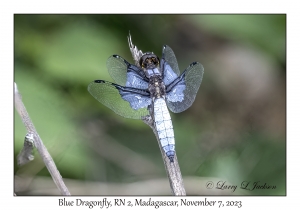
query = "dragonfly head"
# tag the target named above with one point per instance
(150, 64)
(149, 61)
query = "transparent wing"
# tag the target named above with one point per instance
(169, 56)
(181, 93)
(109, 95)
(117, 68)
(123, 73)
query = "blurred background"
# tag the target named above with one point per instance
(234, 132)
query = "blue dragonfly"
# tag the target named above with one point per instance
(149, 87)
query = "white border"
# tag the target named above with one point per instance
(8, 8)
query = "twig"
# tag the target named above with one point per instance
(39, 144)
(172, 169)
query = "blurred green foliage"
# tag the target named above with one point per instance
(57, 56)
(261, 30)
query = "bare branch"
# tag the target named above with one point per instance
(136, 53)
(39, 144)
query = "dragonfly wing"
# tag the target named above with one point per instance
(181, 93)
(126, 102)
(126, 74)
(136, 81)
(168, 74)
(137, 98)
(169, 56)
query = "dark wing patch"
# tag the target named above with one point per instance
(186, 85)
(136, 81)
(109, 95)
(175, 91)
(169, 74)
(119, 69)
(137, 98)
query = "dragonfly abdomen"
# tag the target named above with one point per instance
(164, 127)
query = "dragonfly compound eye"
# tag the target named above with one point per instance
(149, 61)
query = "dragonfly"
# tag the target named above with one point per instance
(148, 88)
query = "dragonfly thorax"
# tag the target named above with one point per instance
(150, 64)
(157, 87)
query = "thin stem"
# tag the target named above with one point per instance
(46, 157)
